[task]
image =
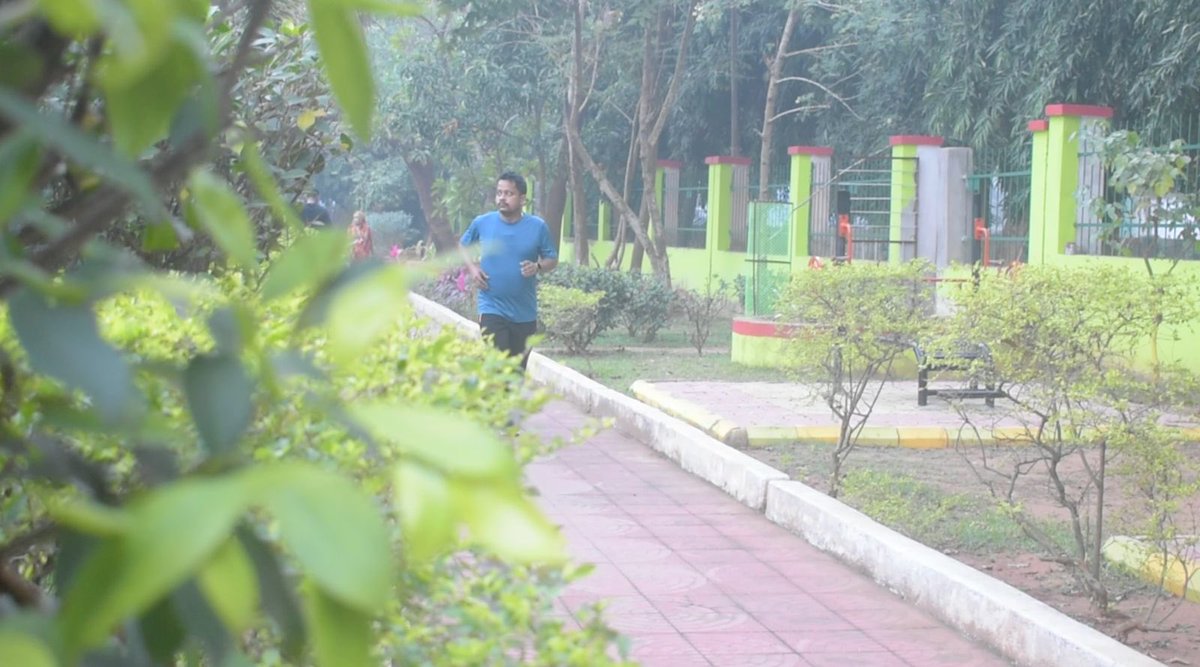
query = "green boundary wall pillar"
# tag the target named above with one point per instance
(666, 185)
(1037, 190)
(906, 150)
(808, 187)
(720, 199)
(603, 221)
(1066, 166)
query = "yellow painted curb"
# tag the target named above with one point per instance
(685, 410)
(1191, 434)
(923, 437)
(765, 436)
(822, 434)
(1182, 577)
(879, 436)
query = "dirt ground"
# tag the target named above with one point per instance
(1170, 635)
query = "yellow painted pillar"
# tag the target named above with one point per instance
(1069, 166)
(808, 187)
(603, 221)
(1037, 191)
(906, 150)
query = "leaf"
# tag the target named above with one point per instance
(140, 109)
(159, 237)
(25, 650)
(220, 213)
(62, 342)
(19, 160)
(443, 440)
(260, 175)
(51, 130)
(341, 635)
(89, 517)
(510, 526)
(333, 529)
(174, 529)
(423, 503)
(71, 17)
(363, 310)
(276, 593)
(220, 396)
(229, 583)
(311, 260)
(344, 56)
(308, 117)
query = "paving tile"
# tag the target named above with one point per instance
(758, 660)
(859, 659)
(700, 613)
(736, 643)
(837, 642)
(692, 577)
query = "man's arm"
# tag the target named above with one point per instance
(477, 274)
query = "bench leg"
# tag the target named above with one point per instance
(922, 383)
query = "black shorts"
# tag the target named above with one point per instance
(506, 335)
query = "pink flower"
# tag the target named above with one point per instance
(461, 281)
(395, 252)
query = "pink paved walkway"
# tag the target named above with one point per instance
(695, 578)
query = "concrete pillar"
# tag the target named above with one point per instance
(908, 151)
(1070, 165)
(808, 188)
(666, 185)
(944, 227)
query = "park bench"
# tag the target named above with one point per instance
(974, 358)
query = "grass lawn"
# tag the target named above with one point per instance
(615, 359)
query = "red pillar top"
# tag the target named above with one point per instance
(1079, 110)
(1039, 125)
(670, 164)
(915, 140)
(810, 150)
(727, 159)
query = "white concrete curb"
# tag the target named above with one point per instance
(1015, 624)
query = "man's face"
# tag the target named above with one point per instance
(509, 201)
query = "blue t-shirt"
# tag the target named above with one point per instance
(503, 246)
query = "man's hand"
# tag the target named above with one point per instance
(478, 276)
(528, 268)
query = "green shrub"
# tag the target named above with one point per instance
(648, 308)
(568, 316)
(389, 228)
(701, 308)
(616, 287)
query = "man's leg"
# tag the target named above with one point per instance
(498, 329)
(521, 331)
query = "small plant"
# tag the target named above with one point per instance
(701, 308)
(393, 228)
(853, 322)
(453, 290)
(648, 308)
(568, 316)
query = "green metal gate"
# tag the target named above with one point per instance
(869, 182)
(768, 253)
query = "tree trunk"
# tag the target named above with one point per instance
(556, 197)
(768, 125)
(735, 143)
(440, 231)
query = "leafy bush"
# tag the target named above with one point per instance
(648, 308)
(453, 290)
(568, 315)
(391, 228)
(615, 286)
(701, 308)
